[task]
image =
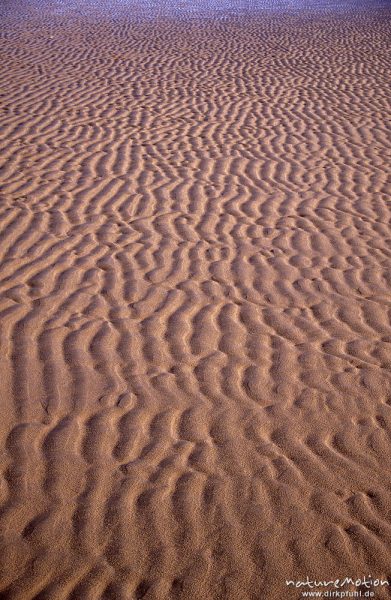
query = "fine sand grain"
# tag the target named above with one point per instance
(195, 299)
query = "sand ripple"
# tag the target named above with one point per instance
(195, 301)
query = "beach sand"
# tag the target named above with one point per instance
(195, 299)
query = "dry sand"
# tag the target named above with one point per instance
(195, 301)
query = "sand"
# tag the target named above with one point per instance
(195, 299)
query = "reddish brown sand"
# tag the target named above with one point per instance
(195, 302)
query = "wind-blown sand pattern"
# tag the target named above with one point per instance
(195, 299)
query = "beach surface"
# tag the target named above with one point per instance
(195, 300)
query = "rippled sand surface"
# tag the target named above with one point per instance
(195, 298)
